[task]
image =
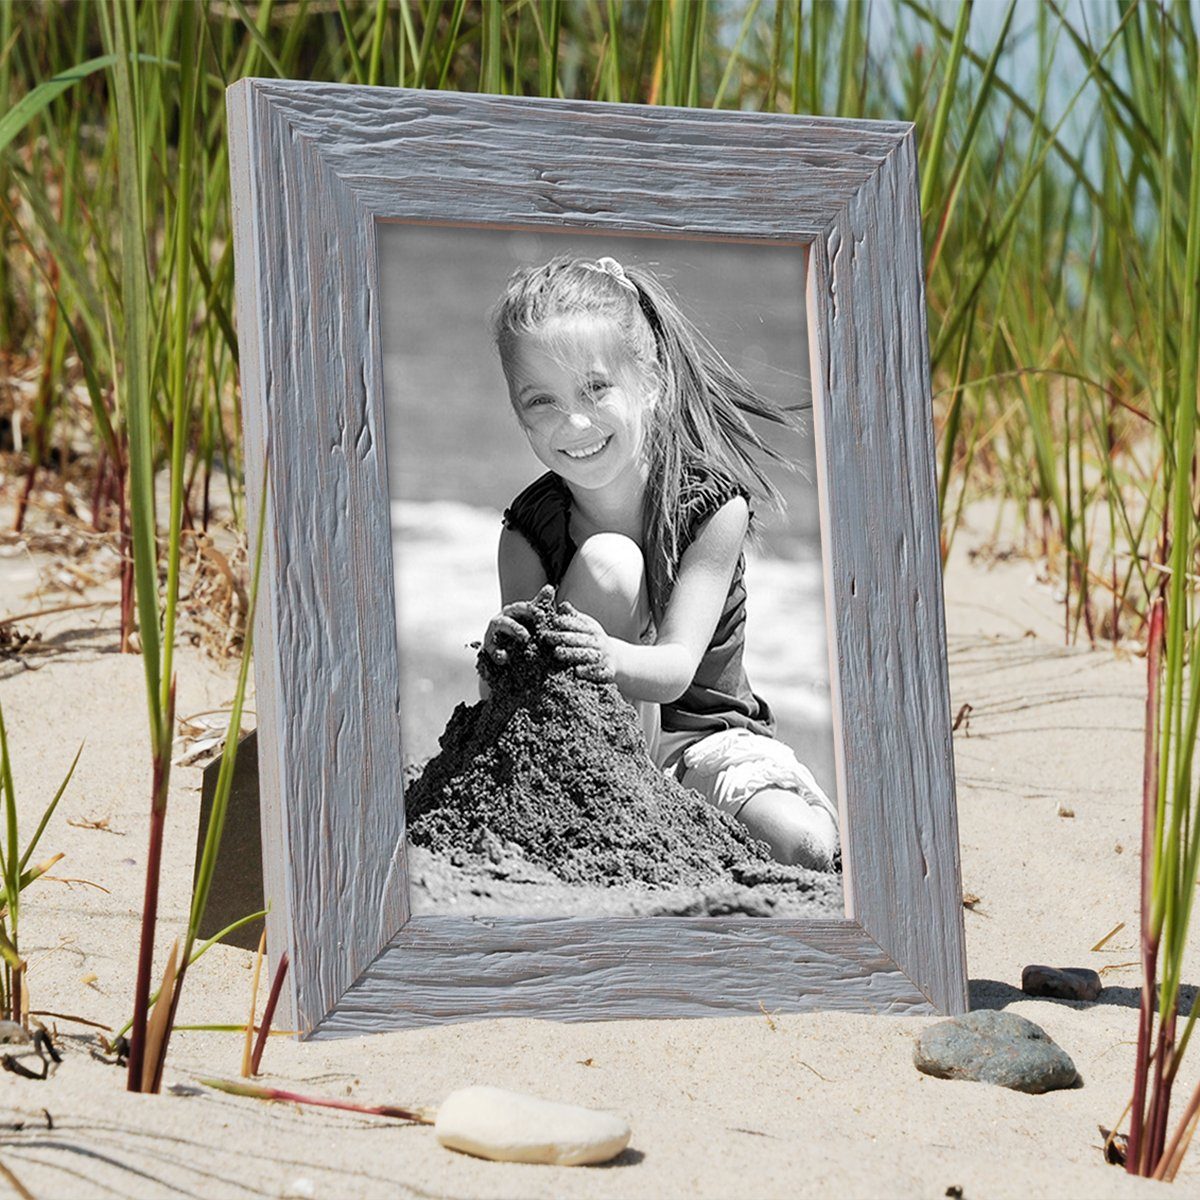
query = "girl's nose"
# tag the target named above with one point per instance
(578, 420)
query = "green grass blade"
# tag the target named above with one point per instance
(137, 400)
(200, 952)
(931, 175)
(220, 804)
(6, 788)
(356, 63)
(49, 810)
(35, 102)
(735, 54)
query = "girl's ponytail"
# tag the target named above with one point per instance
(702, 446)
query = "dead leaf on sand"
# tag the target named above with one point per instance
(14, 639)
(101, 823)
(810, 1067)
(1116, 967)
(970, 902)
(586, 1062)
(71, 881)
(1115, 1147)
(1112, 933)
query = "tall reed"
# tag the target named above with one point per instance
(1171, 802)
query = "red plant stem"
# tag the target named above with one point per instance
(98, 491)
(277, 1094)
(1167, 1163)
(1110, 442)
(27, 489)
(264, 1029)
(16, 996)
(1134, 1156)
(1142, 1060)
(158, 817)
(114, 486)
(1164, 1078)
(141, 996)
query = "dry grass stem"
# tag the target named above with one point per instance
(156, 1027)
(249, 1043)
(269, 1013)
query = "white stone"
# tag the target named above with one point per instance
(495, 1123)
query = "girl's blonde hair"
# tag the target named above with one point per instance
(700, 441)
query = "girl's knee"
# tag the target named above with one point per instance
(607, 580)
(798, 833)
(614, 561)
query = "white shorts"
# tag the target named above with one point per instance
(729, 768)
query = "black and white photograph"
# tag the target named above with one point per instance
(603, 626)
(610, 597)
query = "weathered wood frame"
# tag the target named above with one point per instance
(314, 167)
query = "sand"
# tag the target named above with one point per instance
(765, 1105)
(547, 783)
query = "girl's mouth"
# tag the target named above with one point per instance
(585, 452)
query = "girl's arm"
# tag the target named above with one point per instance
(521, 576)
(521, 573)
(662, 672)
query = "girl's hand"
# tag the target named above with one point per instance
(511, 624)
(580, 640)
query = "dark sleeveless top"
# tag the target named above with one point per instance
(719, 696)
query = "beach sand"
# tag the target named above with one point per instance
(765, 1105)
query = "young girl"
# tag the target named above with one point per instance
(639, 526)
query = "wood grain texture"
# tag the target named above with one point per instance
(447, 156)
(884, 567)
(253, 368)
(575, 970)
(328, 701)
(314, 167)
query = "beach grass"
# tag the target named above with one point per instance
(1061, 240)
(15, 876)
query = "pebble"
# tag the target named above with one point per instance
(12, 1033)
(1065, 983)
(995, 1047)
(491, 1122)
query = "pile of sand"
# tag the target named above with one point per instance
(557, 766)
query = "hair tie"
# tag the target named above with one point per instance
(610, 266)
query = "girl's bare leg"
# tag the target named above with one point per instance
(607, 580)
(800, 834)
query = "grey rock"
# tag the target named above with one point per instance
(11, 1033)
(1061, 983)
(995, 1047)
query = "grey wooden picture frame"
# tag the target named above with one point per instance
(314, 167)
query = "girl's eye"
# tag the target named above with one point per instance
(597, 387)
(534, 401)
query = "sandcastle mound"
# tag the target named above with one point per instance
(557, 766)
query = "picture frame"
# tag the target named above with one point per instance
(314, 168)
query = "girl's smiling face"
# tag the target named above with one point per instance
(583, 402)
